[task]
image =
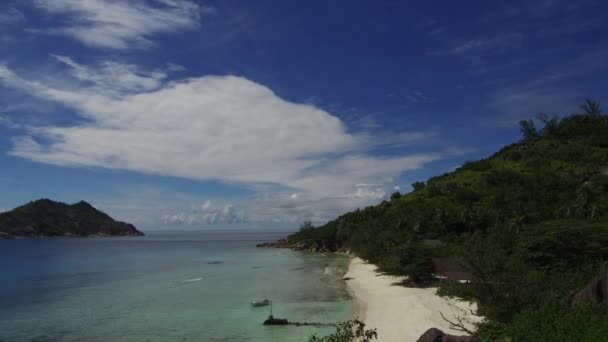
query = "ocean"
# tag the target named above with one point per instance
(166, 286)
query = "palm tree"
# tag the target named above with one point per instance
(585, 204)
(592, 107)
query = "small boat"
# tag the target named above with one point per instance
(260, 303)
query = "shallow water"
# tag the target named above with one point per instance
(186, 286)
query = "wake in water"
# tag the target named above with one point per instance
(192, 280)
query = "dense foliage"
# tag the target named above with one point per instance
(530, 223)
(349, 331)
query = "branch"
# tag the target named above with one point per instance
(457, 326)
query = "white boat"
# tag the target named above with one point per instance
(260, 302)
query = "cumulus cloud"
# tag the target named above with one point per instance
(207, 213)
(224, 128)
(375, 191)
(276, 207)
(122, 24)
(308, 207)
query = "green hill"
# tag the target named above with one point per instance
(530, 223)
(48, 218)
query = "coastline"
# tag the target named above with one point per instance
(401, 313)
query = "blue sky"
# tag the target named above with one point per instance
(195, 114)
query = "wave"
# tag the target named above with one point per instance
(192, 280)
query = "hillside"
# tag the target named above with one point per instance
(530, 223)
(48, 218)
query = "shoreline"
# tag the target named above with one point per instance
(401, 313)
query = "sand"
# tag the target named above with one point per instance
(400, 313)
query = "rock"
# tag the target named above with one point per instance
(282, 243)
(595, 292)
(275, 321)
(436, 335)
(5, 236)
(300, 246)
(431, 335)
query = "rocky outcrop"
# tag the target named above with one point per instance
(282, 243)
(595, 292)
(44, 218)
(299, 246)
(302, 246)
(275, 321)
(5, 236)
(436, 335)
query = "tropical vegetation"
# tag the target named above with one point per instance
(529, 222)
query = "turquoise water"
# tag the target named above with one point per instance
(165, 287)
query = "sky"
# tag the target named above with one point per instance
(192, 114)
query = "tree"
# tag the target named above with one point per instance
(349, 331)
(551, 124)
(592, 107)
(528, 129)
(306, 225)
(418, 185)
(395, 195)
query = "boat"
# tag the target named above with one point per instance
(260, 303)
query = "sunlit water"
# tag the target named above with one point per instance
(165, 287)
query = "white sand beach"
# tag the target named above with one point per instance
(399, 313)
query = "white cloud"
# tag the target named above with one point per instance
(222, 128)
(207, 213)
(122, 24)
(7, 122)
(113, 77)
(370, 191)
(11, 15)
(308, 207)
(553, 89)
(497, 43)
(176, 67)
(418, 97)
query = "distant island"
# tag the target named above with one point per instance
(45, 218)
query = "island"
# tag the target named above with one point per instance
(46, 218)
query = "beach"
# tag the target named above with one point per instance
(402, 313)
